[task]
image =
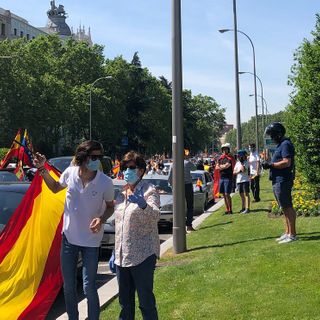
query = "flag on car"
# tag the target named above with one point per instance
(30, 276)
(18, 171)
(13, 151)
(26, 150)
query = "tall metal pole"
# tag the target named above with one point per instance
(179, 230)
(261, 96)
(90, 102)
(236, 60)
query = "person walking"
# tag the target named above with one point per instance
(282, 174)
(225, 167)
(254, 171)
(241, 171)
(188, 166)
(137, 244)
(89, 202)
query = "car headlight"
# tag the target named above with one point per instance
(167, 207)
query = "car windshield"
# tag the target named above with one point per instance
(6, 176)
(161, 185)
(9, 201)
(196, 176)
(61, 163)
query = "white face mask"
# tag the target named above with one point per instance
(93, 165)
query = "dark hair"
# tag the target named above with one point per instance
(253, 145)
(133, 156)
(84, 149)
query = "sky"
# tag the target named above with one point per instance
(276, 28)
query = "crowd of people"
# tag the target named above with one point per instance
(90, 201)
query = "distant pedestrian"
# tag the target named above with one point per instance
(254, 170)
(241, 171)
(282, 174)
(137, 245)
(188, 166)
(225, 167)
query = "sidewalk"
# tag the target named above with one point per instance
(109, 291)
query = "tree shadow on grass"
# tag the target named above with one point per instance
(228, 244)
(259, 210)
(215, 225)
(312, 236)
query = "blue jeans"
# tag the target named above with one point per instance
(69, 261)
(138, 278)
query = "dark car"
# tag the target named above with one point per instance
(11, 194)
(62, 163)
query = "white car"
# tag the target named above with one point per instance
(202, 187)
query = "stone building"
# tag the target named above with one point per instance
(13, 26)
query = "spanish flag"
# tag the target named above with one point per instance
(30, 276)
(14, 150)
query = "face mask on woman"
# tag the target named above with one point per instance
(131, 175)
(93, 165)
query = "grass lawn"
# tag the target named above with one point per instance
(234, 269)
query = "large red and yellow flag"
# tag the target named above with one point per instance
(30, 276)
(13, 151)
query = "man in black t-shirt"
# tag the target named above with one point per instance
(282, 177)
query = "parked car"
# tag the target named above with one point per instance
(62, 163)
(11, 194)
(109, 227)
(203, 193)
(7, 176)
(166, 198)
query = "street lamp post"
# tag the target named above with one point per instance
(255, 81)
(263, 100)
(178, 230)
(90, 103)
(262, 95)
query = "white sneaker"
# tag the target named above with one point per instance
(282, 237)
(289, 239)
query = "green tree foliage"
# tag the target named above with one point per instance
(46, 89)
(304, 111)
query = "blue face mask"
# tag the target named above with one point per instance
(93, 165)
(131, 175)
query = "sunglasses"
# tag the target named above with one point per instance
(132, 167)
(95, 157)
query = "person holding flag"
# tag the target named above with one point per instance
(89, 202)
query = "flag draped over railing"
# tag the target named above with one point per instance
(30, 276)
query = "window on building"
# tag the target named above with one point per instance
(21, 34)
(28, 36)
(15, 31)
(3, 29)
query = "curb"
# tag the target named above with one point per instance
(108, 292)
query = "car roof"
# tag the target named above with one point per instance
(199, 171)
(155, 176)
(15, 186)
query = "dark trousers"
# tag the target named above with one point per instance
(189, 199)
(138, 278)
(255, 188)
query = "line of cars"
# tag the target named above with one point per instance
(11, 193)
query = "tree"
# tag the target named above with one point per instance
(304, 110)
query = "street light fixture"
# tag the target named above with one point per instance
(90, 104)
(255, 81)
(262, 94)
(265, 106)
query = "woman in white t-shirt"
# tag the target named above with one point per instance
(89, 202)
(243, 184)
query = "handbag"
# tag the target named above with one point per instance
(112, 265)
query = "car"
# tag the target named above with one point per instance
(202, 187)
(62, 163)
(161, 183)
(11, 194)
(109, 227)
(6, 176)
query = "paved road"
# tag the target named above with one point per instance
(104, 275)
